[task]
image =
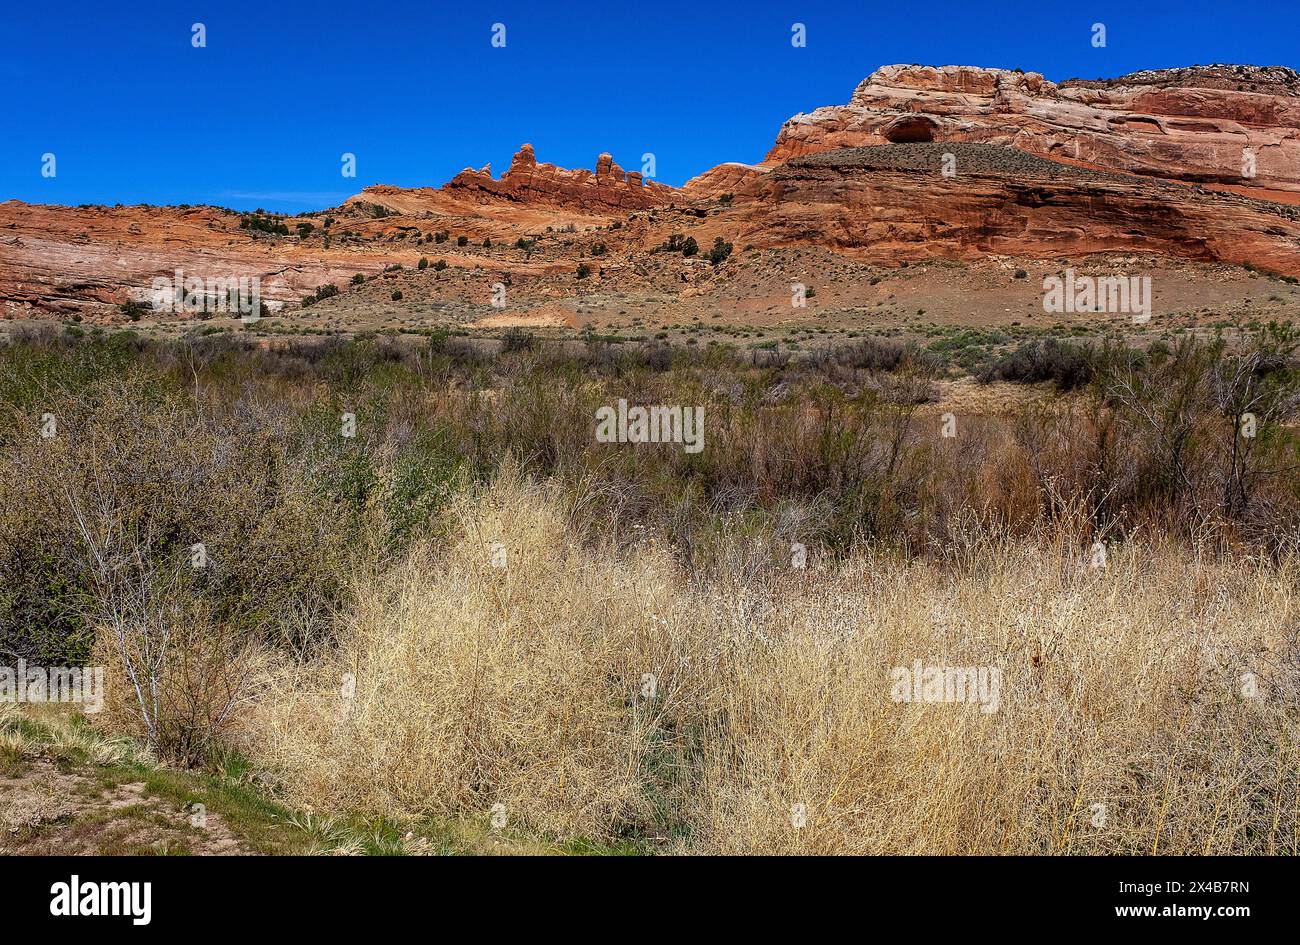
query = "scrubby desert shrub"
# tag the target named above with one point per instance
(1067, 365)
(135, 309)
(176, 679)
(516, 339)
(325, 291)
(263, 224)
(720, 251)
(135, 476)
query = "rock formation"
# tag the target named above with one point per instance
(609, 188)
(890, 203)
(1187, 124)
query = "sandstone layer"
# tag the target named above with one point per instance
(893, 202)
(62, 260)
(1235, 125)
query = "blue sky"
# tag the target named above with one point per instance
(260, 117)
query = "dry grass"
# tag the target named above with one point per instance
(477, 685)
(522, 686)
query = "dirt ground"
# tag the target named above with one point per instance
(48, 811)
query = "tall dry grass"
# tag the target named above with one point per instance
(523, 686)
(477, 684)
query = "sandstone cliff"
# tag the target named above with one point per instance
(1186, 124)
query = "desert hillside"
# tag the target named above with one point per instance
(1193, 174)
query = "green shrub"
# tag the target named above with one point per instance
(720, 251)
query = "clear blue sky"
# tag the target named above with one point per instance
(135, 114)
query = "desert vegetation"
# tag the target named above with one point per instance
(425, 592)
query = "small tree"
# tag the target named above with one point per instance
(720, 251)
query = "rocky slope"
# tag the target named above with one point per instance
(63, 260)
